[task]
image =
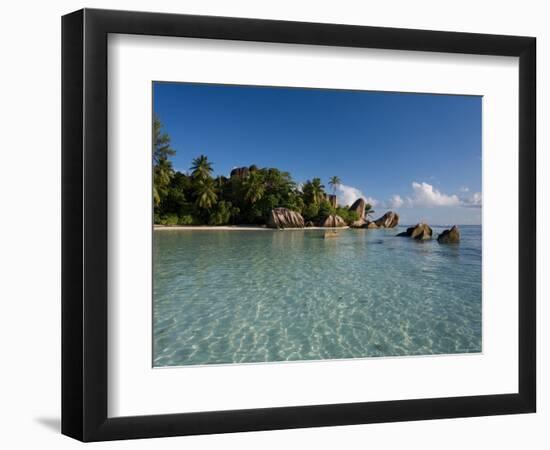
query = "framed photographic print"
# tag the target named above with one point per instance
(273, 224)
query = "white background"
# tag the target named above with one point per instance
(135, 389)
(30, 229)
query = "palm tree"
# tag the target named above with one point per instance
(162, 174)
(201, 168)
(317, 190)
(162, 167)
(334, 182)
(368, 210)
(161, 142)
(254, 187)
(206, 194)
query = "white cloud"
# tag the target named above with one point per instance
(346, 195)
(395, 201)
(372, 201)
(473, 201)
(464, 189)
(425, 196)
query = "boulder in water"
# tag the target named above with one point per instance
(420, 232)
(388, 220)
(333, 221)
(285, 218)
(451, 236)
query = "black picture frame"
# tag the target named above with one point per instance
(84, 224)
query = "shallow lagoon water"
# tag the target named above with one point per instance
(258, 296)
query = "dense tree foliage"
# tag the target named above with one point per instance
(162, 172)
(246, 197)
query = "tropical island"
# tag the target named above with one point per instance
(261, 196)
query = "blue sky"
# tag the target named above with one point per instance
(417, 154)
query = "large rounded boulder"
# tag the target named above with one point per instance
(388, 220)
(285, 218)
(359, 206)
(333, 221)
(451, 236)
(420, 232)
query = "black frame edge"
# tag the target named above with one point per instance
(527, 289)
(139, 427)
(84, 224)
(72, 323)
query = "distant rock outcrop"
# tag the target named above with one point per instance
(359, 206)
(451, 236)
(420, 232)
(240, 172)
(388, 220)
(331, 199)
(333, 221)
(285, 218)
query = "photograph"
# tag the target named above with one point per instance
(266, 225)
(305, 224)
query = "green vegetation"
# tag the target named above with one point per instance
(368, 210)
(246, 197)
(347, 215)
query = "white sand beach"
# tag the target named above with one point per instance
(237, 228)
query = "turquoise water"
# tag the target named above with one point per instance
(255, 296)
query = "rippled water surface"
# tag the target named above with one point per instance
(254, 296)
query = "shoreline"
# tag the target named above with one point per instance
(260, 228)
(238, 228)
